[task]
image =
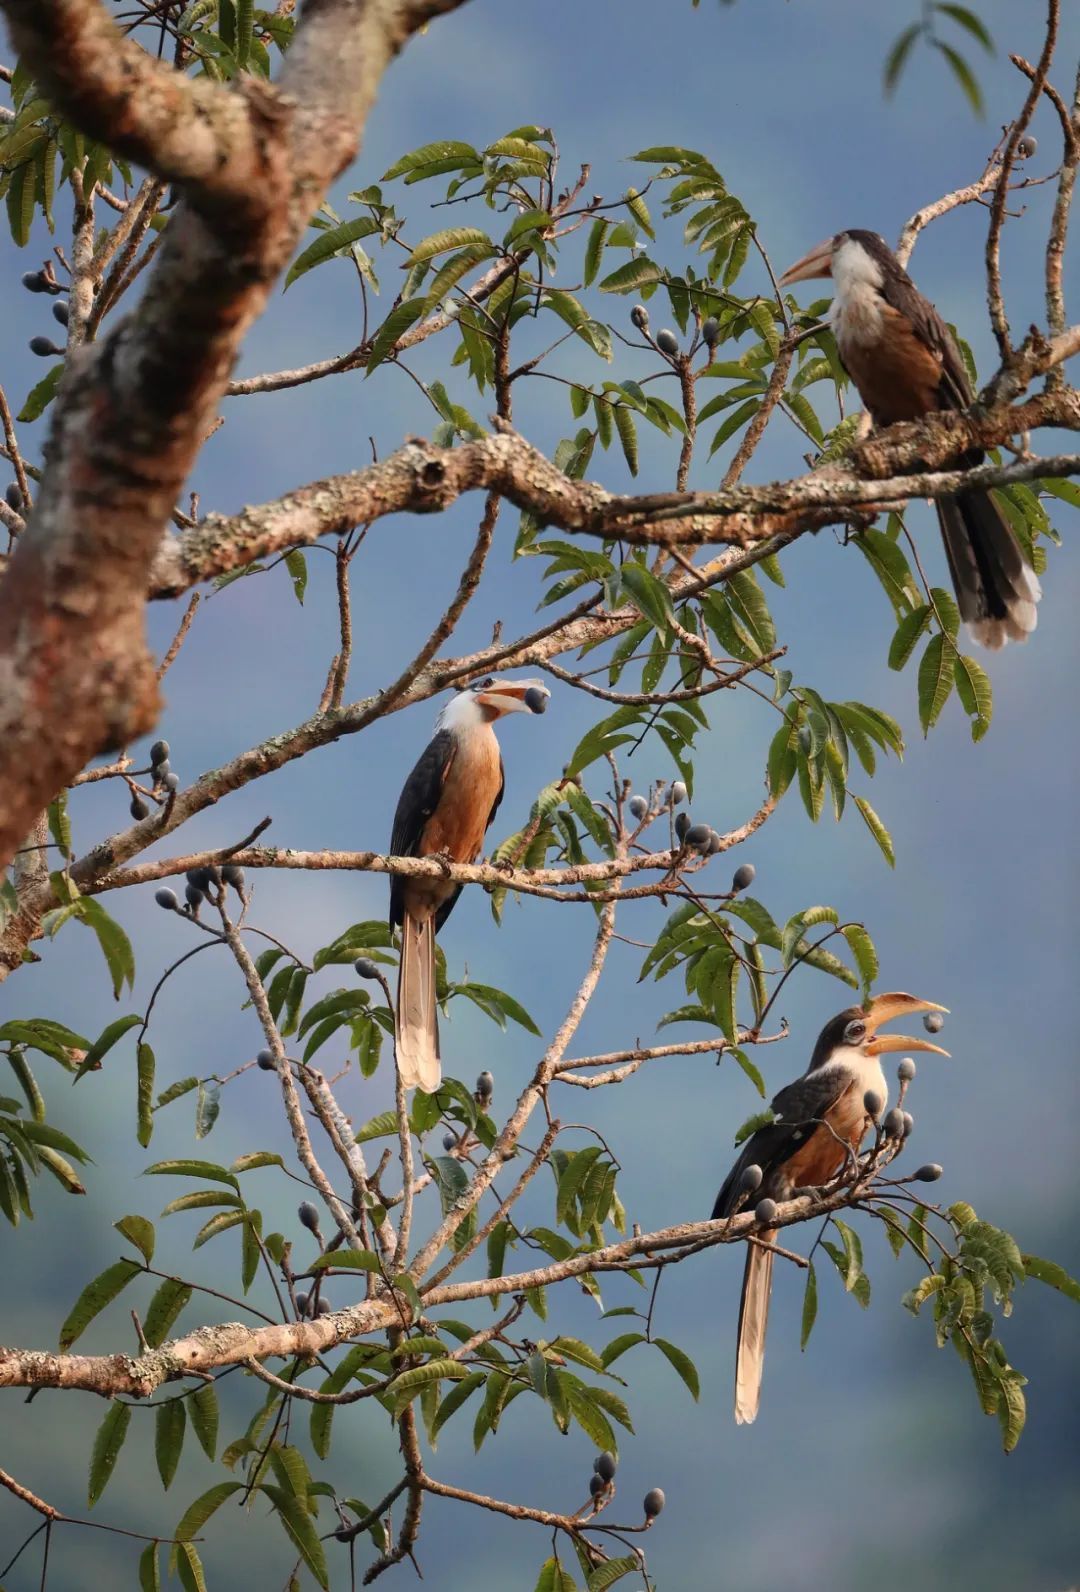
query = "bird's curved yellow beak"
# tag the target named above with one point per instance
(896, 1004)
(817, 263)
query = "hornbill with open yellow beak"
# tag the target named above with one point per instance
(820, 1122)
(905, 363)
(444, 811)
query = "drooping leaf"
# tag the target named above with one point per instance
(107, 1446)
(94, 1297)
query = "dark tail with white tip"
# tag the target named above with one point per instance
(996, 588)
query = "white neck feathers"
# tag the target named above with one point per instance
(856, 308)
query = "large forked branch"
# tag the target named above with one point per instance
(254, 162)
(421, 478)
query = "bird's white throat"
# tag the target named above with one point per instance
(867, 1069)
(856, 309)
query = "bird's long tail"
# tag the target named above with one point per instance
(996, 588)
(417, 1030)
(753, 1320)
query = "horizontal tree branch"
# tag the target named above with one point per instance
(421, 478)
(209, 1349)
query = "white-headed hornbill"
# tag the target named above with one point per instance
(444, 811)
(820, 1122)
(905, 363)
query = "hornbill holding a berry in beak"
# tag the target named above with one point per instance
(905, 363)
(444, 810)
(820, 1122)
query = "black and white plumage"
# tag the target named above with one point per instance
(820, 1121)
(905, 363)
(445, 808)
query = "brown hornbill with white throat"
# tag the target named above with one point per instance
(819, 1123)
(905, 363)
(444, 811)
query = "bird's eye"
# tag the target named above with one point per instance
(855, 1032)
(482, 685)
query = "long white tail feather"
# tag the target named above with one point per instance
(753, 1320)
(417, 1033)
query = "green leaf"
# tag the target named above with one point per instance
(333, 241)
(395, 325)
(682, 1364)
(115, 945)
(141, 1233)
(760, 1119)
(149, 1569)
(188, 1566)
(299, 1527)
(963, 74)
(553, 1578)
(975, 693)
(94, 1297)
(613, 1570)
(1053, 1275)
(449, 238)
(591, 331)
(626, 426)
(862, 949)
(296, 564)
(877, 829)
(636, 273)
(650, 594)
(853, 1256)
(618, 1346)
(104, 1043)
(169, 1299)
(145, 1094)
(203, 1406)
(190, 1168)
(453, 1402)
(734, 422)
(107, 1446)
(170, 1425)
(936, 679)
(907, 634)
(199, 1512)
(432, 155)
(897, 56)
(809, 1309)
(175, 1091)
(594, 250)
(348, 1260)
(967, 19)
(1012, 1411)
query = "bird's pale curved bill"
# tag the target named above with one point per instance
(883, 1008)
(520, 696)
(883, 1042)
(817, 263)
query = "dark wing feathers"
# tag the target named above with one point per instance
(899, 291)
(418, 800)
(806, 1100)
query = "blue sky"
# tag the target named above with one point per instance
(870, 1464)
